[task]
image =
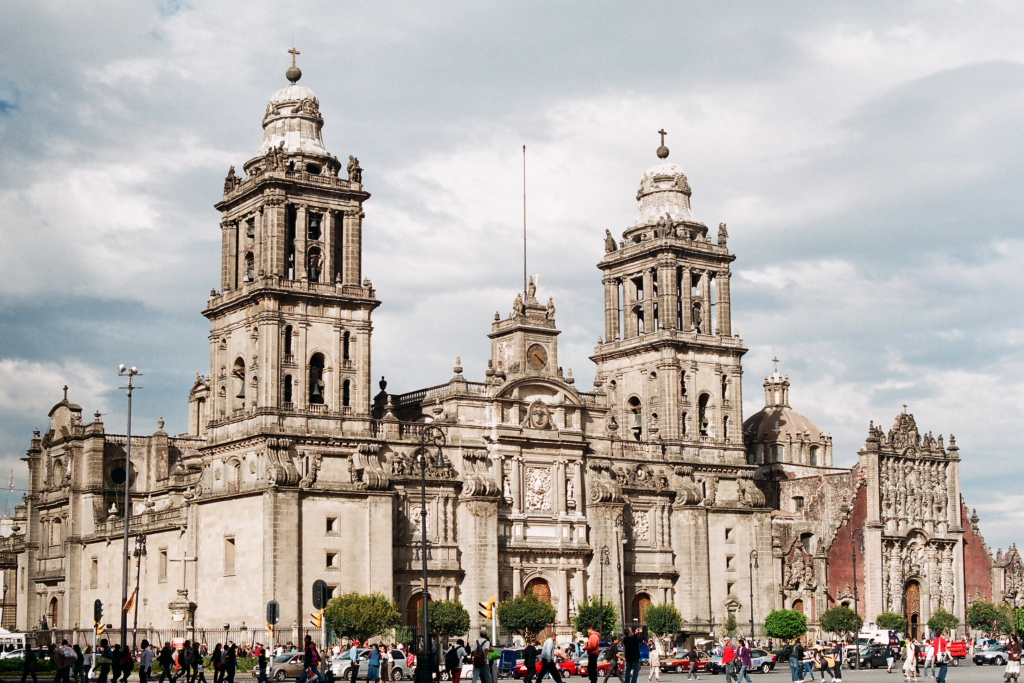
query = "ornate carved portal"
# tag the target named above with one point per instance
(912, 600)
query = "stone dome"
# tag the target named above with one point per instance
(293, 118)
(779, 424)
(664, 189)
(777, 433)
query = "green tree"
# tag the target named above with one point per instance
(403, 635)
(359, 616)
(663, 620)
(841, 620)
(943, 621)
(785, 624)
(1018, 620)
(526, 615)
(1007, 618)
(984, 616)
(890, 621)
(594, 613)
(447, 618)
(730, 627)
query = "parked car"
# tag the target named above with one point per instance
(341, 664)
(282, 667)
(670, 664)
(602, 665)
(995, 654)
(760, 660)
(13, 654)
(567, 667)
(871, 657)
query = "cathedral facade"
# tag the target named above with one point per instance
(648, 488)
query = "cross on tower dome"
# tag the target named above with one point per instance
(294, 73)
(663, 150)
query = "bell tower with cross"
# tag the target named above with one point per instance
(669, 359)
(291, 321)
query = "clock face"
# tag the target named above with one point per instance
(537, 357)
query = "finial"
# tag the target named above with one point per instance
(458, 366)
(663, 150)
(65, 392)
(160, 423)
(293, 73)
(904, 408)
(776, 361)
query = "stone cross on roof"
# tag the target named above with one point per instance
(776, 361)
(293, 52)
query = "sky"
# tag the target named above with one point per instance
(867, 157)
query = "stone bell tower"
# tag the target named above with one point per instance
(290, 328)
(669, 360)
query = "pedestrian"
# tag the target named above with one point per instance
(654, 659)
(942, 657)
(353, 657)
(592, 649)
(929, 659)
(910, 661)
(230, 662)
(838, 656)
(795, 653)
(631, 652)
(745, 662)
(217, 661)
(452, 664)
(127, 665)
(729, 661)
(79, 664)
(146, 661)
(373, 666)
(808, 663)
(890, 658)
(530, 660)
(115, 664)
(547, 661)
(64, 659)
(105, 659)
(481, 667)
(199, 654)
(1013, 650)
(261, 664)
(692, 656)
(611, 655)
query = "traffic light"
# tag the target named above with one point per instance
(270, 632)
(321, 594)
(97, 611)
(273, 612)
(487, 608)
(99, 627)
(318, 618)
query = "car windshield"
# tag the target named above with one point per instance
(281, 659)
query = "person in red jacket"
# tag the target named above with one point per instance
(592, 649)
(942, 658)
(729, 661)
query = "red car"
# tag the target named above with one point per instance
(670, 664)
(602, 666)
(566, 667)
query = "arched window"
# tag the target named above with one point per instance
(637, 422)
(288, 330)
(346, 340)
(702, 413)
(249, 268)
(683, 424)
(725, 428)
(57, 532)
(814, 456)
(314, 264)
(54, 611)
(346, 393)
(315, 221)
(725, 387)
(238, 373)
(540, 588)
(316, 379)
(798, 605)
(233, 475)
(288, 389)
(682, 383)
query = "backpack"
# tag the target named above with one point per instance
(479, 657)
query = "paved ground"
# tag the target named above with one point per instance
(967, 672)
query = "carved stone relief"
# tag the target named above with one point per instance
(538, 488)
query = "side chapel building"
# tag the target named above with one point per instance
(649, 488)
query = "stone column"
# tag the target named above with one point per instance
(301, 234)
(667, 295)
(353, 241)
(563, 596)
(649, 299)
(628, 317)
(517, 483)
(327, 237)
(478, 525)
(611, 309)
(686, 284)
(560, 487)
(578, 491)
(517, 581)
(668, 375)
(229, 255)
(724, 305)
(705, 300)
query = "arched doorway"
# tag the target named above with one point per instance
(53, 611)
(638, 610)
(912, 607)
(412, 612)
(798, 605)
(541, 589)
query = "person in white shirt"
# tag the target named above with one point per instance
(146, 661)
(929, 658)
(547, 661)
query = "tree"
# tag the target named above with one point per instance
(730, 627)
(785, 624)
(841, 620)
(663, 620)
(526, 615)
(361, 617)
(403, 635)
(984, 616)
(594, 613)
(1018, 620)
(890, 621)
(447, 618)
(1007, 618)
(942, 621)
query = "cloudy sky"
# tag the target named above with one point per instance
(868, 158)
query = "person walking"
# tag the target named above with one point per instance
(593, 649)
(795, 653)
(230, 662)
(547, 661)
(838, 657)
(105, 659)
(116, 662)
(530, 660)
(28, 666)
(146, 661)
(261, 663)
(217, 661)
(809, 662)
(1013, 651)
(729, 660)
(611, 655)
(453, 662)
(199, 657)
(65, 659)
(166, 659)
(743, 655)
(929, 659)
(692, 656)
(373, 665)
(942, 657)
(353, 657)
(890, 658)
(654, 659)
(481, 666)
(79, 664)
(631, 652)
(910, 661)
(127, 665)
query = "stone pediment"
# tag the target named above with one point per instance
(549, 390)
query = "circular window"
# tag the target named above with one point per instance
(118, 475)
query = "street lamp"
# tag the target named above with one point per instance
(139, 553)
(431, 438)
(753, 566)
(126, 512)
(858, 542)
(622, 577)
(606, 558)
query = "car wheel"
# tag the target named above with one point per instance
(956, 662)
(766, 667)
(397, 675)
(279, 675)
(1000, 661)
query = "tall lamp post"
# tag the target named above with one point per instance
(139, 553)
(432, 438)
(753, 566)
(605, 560)
(126, 512)
(622, 577)
(858, 542)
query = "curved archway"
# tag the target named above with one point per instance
(912, 608)
(636, 423)
(540, 588)
(316, 379)
(53, 612)
(798, 606)
(638, 610)
(702, 417)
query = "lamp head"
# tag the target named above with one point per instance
(441, 463)
(134, 370)
(120, 369)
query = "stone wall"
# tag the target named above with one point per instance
(977, 561)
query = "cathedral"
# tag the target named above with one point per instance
(648, 488)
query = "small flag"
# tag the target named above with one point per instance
(128, 606)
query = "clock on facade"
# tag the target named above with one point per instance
(537, 357)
